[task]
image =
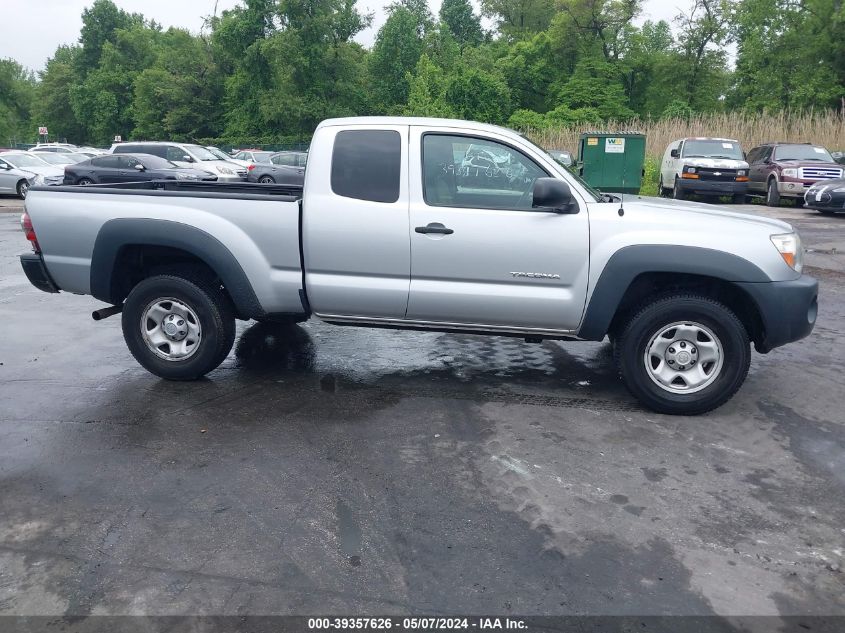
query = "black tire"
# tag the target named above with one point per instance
(267, 180)
(661, 190)
(738, 198)
(647, 323)
(772, 194)
(22, 189)
(826, 211)
(213, 309)
(84, 182)
(677, 192)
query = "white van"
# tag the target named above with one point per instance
(185, 155)
(704, 166)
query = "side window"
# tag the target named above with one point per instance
(366, 165)
(106, 161)
(175, 153)
(284, 159)
(460, 171)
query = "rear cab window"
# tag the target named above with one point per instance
(366, 165)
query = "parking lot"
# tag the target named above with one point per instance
(345, 470)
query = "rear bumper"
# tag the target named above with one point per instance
(35, 270)
(713, 187)
(788, 310)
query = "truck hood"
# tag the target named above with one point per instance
(716, 163)
(692, 213)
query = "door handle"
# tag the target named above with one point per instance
(434, 227)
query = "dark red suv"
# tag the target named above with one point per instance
(787, 170)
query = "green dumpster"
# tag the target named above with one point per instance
(612, 161)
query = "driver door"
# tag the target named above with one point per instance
(480, 255)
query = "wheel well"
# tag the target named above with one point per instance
(652, 285)
(136, 262)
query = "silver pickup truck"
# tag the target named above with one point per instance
(431, 224)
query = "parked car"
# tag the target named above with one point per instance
(90, 152)
(227, 157)
(62, 159)
(113, 168)
(788, 170)
(269, 174)
(704, 166)
(680, 294)
(562, 157)
(253, 157)
(15, 181)
(45, 173)
(290, 158)
(185, 155)
(55, 148)
(827, 196)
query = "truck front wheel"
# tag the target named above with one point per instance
(178, 328)
(683, 354)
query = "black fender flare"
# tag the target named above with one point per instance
(117, 234)
(630, 262)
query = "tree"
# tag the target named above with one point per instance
(479, 95)
(516, 19)
(427, 91)
(462, 21)
(100, 24)
(52, 107)
(17, 88)
(398, 47)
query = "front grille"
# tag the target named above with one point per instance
(709, 173)
(820, 173)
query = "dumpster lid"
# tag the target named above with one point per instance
(606, 133)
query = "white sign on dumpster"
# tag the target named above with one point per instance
(614, 146)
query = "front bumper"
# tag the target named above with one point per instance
(788, 310)
(35, 270)
(713, 187)
(793, 188)
(229, 177)
(834, 202)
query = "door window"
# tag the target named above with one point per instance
(106, 161)
(460, 171)
(126, 162)
(176, 154)
(366, 165)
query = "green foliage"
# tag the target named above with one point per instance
(17, 90)
(461, 20)
(677, 109)
(272, 69)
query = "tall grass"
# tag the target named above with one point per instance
(823, 128)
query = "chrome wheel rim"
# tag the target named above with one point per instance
(171, 329)
(24, 189)
(684, 357)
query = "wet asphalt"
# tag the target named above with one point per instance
(358, 471)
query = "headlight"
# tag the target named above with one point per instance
(689, 170)
(741, 172)
(185, 177)
(224, 170)
(790, 248)
(790, 172)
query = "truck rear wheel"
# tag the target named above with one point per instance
(683, 354)
(178, 328)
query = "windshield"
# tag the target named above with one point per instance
(712, 149)
(57, 159)
(200, 153)
(23, 160)
(803, 152)
(154, 162)
(218, 153)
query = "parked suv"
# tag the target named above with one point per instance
(788, 170)
(706, 166)
(186, 155)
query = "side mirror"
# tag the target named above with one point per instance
(139, 167)
(187, 159)
(675, 153)
(5, 166)
(551, 194)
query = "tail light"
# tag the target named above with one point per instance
(250, 167)
(29, 231)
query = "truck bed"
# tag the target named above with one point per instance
(257, 224)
